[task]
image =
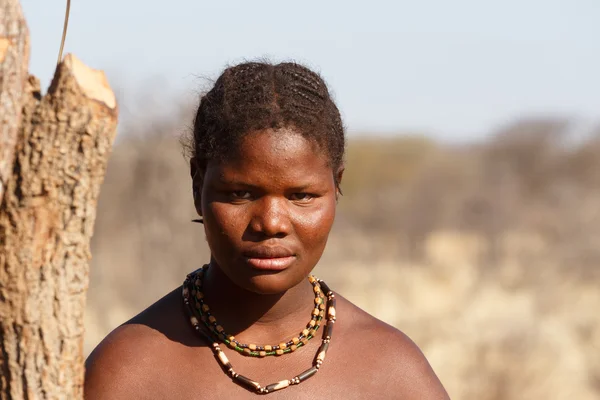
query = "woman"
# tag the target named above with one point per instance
(266, 166)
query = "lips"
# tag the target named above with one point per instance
(268, 252)
(269, 258)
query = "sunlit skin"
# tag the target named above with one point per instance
(280, 202)
(274, 198)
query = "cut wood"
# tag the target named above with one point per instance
(14, 62)
(60, 146)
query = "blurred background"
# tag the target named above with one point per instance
(470, 217)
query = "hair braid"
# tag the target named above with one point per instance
(255, 96)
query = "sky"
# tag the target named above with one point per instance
(454, 70)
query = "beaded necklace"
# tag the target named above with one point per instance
(199, 310)
(218, 333)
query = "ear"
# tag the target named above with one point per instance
(338, 181)
(197, 173)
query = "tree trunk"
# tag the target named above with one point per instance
(47, 215)
(14, 62)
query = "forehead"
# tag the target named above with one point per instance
(274, 155)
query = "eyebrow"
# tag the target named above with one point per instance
(233, 182)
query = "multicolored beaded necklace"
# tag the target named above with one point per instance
(218, 333)
(199, 311)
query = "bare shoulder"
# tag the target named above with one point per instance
(128, 361)
(407, 373)
(113, 369)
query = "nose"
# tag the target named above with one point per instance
(271, 218)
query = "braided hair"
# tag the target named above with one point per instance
(255, 96)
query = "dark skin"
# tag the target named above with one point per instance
(282, 192)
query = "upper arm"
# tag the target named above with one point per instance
(114, 369)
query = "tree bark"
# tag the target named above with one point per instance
(14, 62)
(47, 216)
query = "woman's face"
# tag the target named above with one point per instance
(268, 211)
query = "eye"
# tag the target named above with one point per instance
(301, 197)
(240, 194)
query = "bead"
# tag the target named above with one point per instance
(223, 359)
(312, 279)
(315, 312)
(312, 323)
(247, 351)
(205, 308)
(326, 289)
(295, 340)
(305, 332)
(194, 321)
(231, 338)
(262, 353)
(304, 341)
(212, 319)
(185, 292)
(332, 302)
(322, 352)
(293, 347)
(219, 328)
(199, 295)
(249, 383)
(322, 306)
(279, 352)
(317, 289)
(322, 314)
(268, 348)
(331, 313)
(198, 282)
(198, 305)
(328, 329)
(277, 386)
(307, 374)
(282, 346)
(252, 347)
(318, 300)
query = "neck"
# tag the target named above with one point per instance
(257, 317)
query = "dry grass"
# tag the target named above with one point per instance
(487, 255)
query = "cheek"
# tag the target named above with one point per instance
(224, 221)
(314, 227)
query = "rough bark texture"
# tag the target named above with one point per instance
(14, 61)
(46, 222)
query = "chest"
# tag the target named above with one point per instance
(342, 376)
